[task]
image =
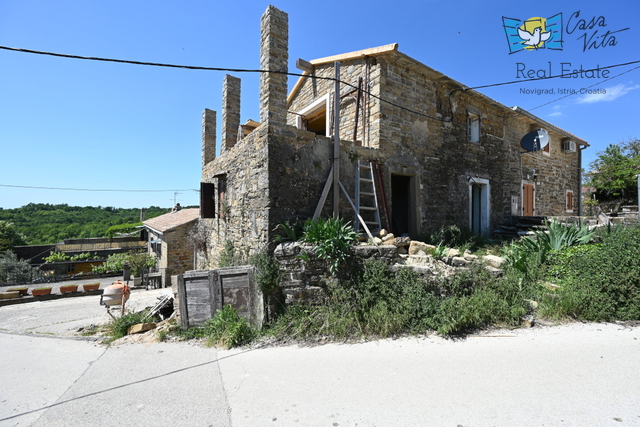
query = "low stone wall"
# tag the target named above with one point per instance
(305, 277)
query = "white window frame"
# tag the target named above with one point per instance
(474, 126)
(318, 104)
(485, 213)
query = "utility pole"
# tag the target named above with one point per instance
(336, 142)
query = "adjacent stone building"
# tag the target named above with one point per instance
(441, 154)
(169, 239)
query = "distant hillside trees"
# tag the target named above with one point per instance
(43, 223)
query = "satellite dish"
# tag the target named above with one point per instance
(536, 140)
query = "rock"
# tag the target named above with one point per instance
(454, 252)
(533, 304)
(383, 233)
(287, 249)
(387, 239)
(470, 257)
(528, 321)
(417, 246)
(141, 327)
(494, 261)
(377, 240)
(458, 261)
(422, 253)
(402, 242)
(402, 250)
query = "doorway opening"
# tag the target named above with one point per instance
(401, 204)
(479, 206)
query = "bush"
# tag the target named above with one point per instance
(379, 302)
(600, 283)
(118, 327)
(267, 271)
(137, 261)
(332, 239)
(226, 329)
(14, 270)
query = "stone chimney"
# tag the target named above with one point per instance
(208, 136)
(274, 56)
(230, 111)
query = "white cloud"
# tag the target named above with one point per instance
(556, 111)
(606, 94)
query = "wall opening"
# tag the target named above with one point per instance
(479, 206)
(314, 118)
(401, 204)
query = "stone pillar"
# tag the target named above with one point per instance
(208, 136)
(230, 111)
(274, 56)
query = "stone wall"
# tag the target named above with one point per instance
(435, 151)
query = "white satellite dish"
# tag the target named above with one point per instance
(536, 140)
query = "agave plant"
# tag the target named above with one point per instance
(333, 239)
(556, 237)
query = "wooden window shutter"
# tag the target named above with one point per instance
(207, 200)
(569, 201)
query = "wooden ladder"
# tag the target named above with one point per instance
(366, 197)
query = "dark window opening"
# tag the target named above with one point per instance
(400, 204)
(316, 122)
(207, 200)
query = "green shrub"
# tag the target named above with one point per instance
(14, 270)
(118, 327)
(267, 271)
(57, 257)
(332, 239)
(600, 283)
(225, 329)
(230, 257)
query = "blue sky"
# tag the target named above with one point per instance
(94, 125)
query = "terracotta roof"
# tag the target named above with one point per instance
(171, 220)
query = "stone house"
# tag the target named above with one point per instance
(169, 240)
(441, 154)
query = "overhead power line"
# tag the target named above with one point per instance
(94, 189)
(241, 70)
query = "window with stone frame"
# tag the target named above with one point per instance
(473, 126)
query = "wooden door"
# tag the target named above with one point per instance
(528, 200)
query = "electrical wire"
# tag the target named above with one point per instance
(93, 189)
(588, 87)
(240, 70)
(231, 70)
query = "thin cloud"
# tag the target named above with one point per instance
(606, 94)
(556, 111)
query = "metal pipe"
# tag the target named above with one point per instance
(336, 143)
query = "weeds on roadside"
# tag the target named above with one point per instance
(225, 329)
(378, 302)
(119, 327)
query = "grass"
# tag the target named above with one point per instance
(226, 329)
(377, 302)
(119, 327)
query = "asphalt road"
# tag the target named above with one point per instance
(571, 375)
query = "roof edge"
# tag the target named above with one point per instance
(372, 51)
(533, 117)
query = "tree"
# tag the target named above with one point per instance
(614, 172)
(9, 236)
